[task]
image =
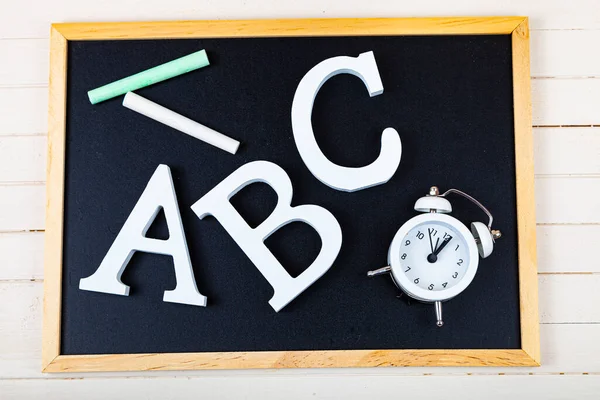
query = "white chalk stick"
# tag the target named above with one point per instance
(177, 121)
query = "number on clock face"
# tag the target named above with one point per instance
(434, 256)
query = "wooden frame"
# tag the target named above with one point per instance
(61, 34)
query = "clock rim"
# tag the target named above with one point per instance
(407, 286)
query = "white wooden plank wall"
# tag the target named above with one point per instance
(565, 68)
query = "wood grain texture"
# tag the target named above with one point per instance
(289, 27)
(21, 255)
(54, 197)
(579, 107)
(32, 18)
(22, 158)
(23, 110)
(290, 359)
(558, 305)
(30, 65)
(22, 207)
(565, 53)
(566, 151)
(270, 386)
(528, 290)
(565, 249)
(562, 200)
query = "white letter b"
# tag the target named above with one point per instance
(251, 241)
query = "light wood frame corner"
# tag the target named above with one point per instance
(61, 34)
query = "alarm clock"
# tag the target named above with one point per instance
(433, 256)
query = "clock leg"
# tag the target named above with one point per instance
(380, 271)
(438, 313)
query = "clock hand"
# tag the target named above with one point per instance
(444, 243)
(430, 242)
(434, 256)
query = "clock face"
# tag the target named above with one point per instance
(434, 256)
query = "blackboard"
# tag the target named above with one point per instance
(451, 98)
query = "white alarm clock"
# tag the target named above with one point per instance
(433, 256)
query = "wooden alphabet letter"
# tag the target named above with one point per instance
(342, 178)
(251, 241)
(158, 193)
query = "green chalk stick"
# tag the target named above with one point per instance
(150, 76)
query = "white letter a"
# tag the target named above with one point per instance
(159, 193)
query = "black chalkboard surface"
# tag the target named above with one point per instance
(450, 98)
